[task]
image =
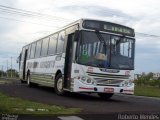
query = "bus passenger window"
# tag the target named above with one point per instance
(52, 44)
(32, 50)
(60, 44)
(29, 50)
(38, 49)
(23, 51)
(44, 47)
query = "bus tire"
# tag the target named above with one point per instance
(105, 95)
(29, 83)
(58, 86)
(22, 81)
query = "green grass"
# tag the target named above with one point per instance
(4, 81)
(147, 91)
(12, 105)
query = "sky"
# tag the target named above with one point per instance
(19, 27)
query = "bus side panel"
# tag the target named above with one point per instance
(43, 70)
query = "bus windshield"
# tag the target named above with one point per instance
(109, 51)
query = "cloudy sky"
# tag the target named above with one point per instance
(23, 21)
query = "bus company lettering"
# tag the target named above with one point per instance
(47, 64)
(32, 65)
(109, 70)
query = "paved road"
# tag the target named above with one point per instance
(91, 104)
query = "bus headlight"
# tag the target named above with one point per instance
(83, 79)
(128, 83)
(86, 80)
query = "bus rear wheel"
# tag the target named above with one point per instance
(29, 83)
(22, 81)
(105, 95)
(59, 85)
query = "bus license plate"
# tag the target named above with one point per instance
(109, 90)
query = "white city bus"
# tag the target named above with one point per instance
(88, 56)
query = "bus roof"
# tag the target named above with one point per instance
(74, 23)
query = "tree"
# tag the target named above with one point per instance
(158, 82)
(12, 73)
(2, 73)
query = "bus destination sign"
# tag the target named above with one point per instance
(117, 29)
(109, 27)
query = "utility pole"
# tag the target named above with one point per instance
(2, 70)
(7, 68)
(11, 67)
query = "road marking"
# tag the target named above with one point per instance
(70, 118)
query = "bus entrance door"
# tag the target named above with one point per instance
(24, 64)
(68, 61)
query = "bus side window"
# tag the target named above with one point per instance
(32, 50)
(52, 44)
(44, 49)
(29, 50)
(23, 51)
(38, 49)
(60, 45)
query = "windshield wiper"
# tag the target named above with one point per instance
(101, 39)
(121, 39)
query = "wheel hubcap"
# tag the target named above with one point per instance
(60, 85)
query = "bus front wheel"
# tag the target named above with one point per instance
(59, 85)
(105, 95)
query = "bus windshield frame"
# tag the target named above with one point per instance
(111, 53)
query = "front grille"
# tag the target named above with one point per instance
(108, 79)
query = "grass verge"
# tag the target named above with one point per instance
(12, 105)
(147, 91)
(7, 80)
(4, 82)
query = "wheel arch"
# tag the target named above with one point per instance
(58, 72)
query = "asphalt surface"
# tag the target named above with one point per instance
(90, 104)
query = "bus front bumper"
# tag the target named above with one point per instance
(80, 87)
